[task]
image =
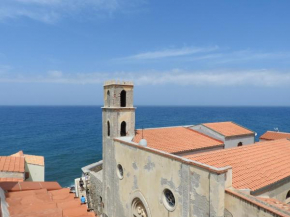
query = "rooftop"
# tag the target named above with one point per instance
(271, 135)
(176, 139)
(228, 129)
(30, 159)
(49, 200)
(33, 159)
(253, 166)
(11, 164)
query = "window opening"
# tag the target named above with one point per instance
(123, 98)
(123, 129)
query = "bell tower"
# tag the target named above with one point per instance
(118, 120)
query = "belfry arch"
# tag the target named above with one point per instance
(123, 98)
(123, 129)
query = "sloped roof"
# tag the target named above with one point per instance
(176, 139)
(253, 166)
(33, 159)
(11, 164)
(228, 129)
(271, 135)
(44, 202)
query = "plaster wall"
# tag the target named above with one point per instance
(36, 172)
(231, 142)
(235, 206)
(278, 191)
(12, 175)
(146, 175)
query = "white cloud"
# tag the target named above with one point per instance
(169, 53)
(263, 78)
(50, 11)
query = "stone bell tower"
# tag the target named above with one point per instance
(118, 121)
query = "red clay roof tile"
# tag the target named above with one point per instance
(228, 128)
(11, 164)
(56, 203)
(176, 139)
(270, 135)
(254, 166)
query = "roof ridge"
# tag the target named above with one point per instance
(205, 135)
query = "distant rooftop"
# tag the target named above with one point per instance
(271, 135)
(253, 166)
(176, 139)
(228, 129)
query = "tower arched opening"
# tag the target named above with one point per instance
(108, 98)
(123, 129)
(108, 128)
(123, 98)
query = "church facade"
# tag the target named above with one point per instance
(199, 170)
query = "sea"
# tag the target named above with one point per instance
(70, 137)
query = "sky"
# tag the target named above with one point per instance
(219, 53)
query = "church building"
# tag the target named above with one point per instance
(208, 169)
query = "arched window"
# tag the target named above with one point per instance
(123, 98)
(288, 195)
(108, 98)
(108, 127)
(240, 144)
(123, 129)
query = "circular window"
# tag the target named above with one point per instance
(120, 171)
(168, 200)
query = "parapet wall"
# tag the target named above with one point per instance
(239, 204)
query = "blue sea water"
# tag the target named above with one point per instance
(69, 137)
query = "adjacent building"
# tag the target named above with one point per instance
(211, 169)
(273, 135)
(22, 167)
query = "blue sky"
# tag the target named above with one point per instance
(59, 52)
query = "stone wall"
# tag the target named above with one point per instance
(146, 176)
(96, 191)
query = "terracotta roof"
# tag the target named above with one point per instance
(276, 203)
(11, 180)
(270, 135)
(18, 154)
(21, 186)
(12, 164)
(42, 202)
(228, 129)
(33, 159)
(176, 139)
(253, 166)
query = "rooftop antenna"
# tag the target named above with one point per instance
(142, 132)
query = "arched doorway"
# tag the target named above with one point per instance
(240, 144)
